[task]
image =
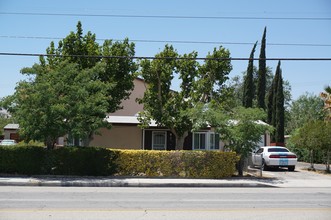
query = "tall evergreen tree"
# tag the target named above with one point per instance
(261, 84)
(270, 102)
(275, 106)
(280, 111)
(249, 82)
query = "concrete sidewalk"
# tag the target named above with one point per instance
(314, 180)
(132, 182)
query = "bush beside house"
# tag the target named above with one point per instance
(80, 161)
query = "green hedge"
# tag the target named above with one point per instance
(90, 161)
(191, 164)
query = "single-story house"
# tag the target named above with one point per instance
(126, 133)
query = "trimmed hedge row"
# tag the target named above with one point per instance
(90, 161)
(192, 164)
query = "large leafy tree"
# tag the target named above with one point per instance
(72, 89)
(241, 128)
(261, 82)
(60, 100)
(84, 51)
(249, 89)
(199, 84)
(314, 136)
(306, 108)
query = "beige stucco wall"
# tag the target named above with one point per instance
(130, 106)
(8, 132)
(119, 137)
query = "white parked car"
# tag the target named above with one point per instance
(7, 142)
(274, 156)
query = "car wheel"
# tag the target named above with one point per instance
(291, 168)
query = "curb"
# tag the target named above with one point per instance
(127, 183)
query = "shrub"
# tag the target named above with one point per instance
(191, 164)
(22, 160)
(83, 161)
(91, 161)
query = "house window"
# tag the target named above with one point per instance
(159, 140)
(199, 141)
(205, 141)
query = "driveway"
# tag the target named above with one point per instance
(301, 177)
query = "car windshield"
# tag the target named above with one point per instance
(277, 150)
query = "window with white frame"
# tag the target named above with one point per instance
(159, 140)
(205, 141)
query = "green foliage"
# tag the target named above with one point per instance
(22, 160)
(249, 89)
(314, 136)
(73, 91)
(199, 84)
(3, 122)
(280, 111)
(245, 129)
(240, 127)
(306, 108)
(275, 106)
(104, 162)
(236, 84)
(82, 161)
(190, 164)
(60, 100)
(261, 82)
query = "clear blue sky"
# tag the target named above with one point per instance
(19, 33)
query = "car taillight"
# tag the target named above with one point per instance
(282, 156)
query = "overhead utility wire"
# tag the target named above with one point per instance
(161, 58)
(175, 41)
(166, 16)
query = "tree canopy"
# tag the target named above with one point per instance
(73, 89)
(199, 84)
(306, 108)
(249, 89)
(261, 82)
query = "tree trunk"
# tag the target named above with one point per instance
(179, 139)
(87, 140)
(328, 161)
(240, 166)
(50, 142)
(311, 160)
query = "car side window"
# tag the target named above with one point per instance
(259, 151)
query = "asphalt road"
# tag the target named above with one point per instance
(63, 203)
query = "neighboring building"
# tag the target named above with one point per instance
(11, 132)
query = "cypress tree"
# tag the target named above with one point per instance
(249, 82)
(270, 101)
(280, 119)
(261, 83)
(275, 106)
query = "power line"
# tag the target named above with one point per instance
(162, 58)
(167, 16)
(176, 41)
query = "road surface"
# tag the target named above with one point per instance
(164, 203)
